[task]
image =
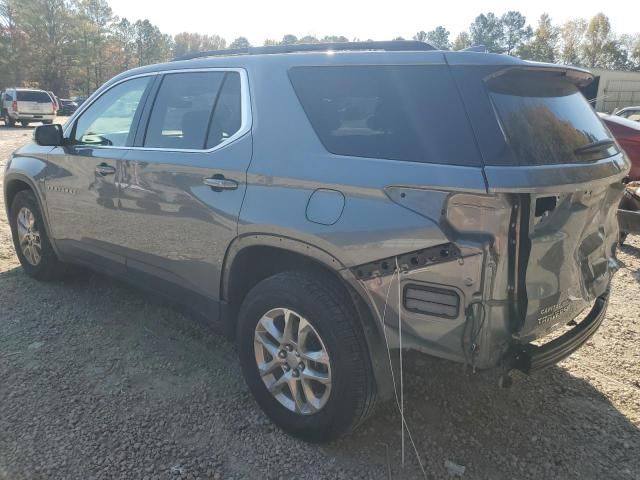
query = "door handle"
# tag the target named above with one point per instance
(104, 169)
(219, 183)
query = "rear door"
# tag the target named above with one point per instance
(183, 183)
(34, 102)
(82, 179)
(547, 151)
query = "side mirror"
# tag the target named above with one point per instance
(49, 135)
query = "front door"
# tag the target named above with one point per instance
(183, 184)
(81, 183)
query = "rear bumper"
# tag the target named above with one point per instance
(36, 117)
(529, 358)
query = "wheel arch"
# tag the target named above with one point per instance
(252, 258)
(15, 182)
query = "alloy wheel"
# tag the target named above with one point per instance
(292, 361)
(29, 236)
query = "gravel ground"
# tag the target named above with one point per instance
(101, 381)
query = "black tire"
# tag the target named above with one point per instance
(47, 122)
(24, 124)
(8, 121)
(328, 308)
(49, 267)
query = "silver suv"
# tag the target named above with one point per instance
(27, 105)
(329, 205)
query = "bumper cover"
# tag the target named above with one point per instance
(529, 358)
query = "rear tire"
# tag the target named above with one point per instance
(47, 122)
(8, 121)
(30, 239)
(24, 124)
(324, 312)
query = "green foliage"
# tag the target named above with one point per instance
(515, 31)
(542, 48)
(240, 42)
(487, 30)
(462, 41)
(439, 38)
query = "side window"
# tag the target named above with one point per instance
(8, 97)
(108, 120)
(407, 112)
(194, 110)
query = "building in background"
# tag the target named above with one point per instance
(612, 90)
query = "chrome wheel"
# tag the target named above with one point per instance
(29, 236)
(292, 361)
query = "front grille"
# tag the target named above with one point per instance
(440, 302)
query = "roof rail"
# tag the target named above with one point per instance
(390, 46)
(476, 48)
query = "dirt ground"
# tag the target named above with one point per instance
(101, 381)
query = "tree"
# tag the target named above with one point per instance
(269, 42)
(571, 36)
(289, 40)
(334, 39)
(421, 36)
(487, 30)
(49, 28)
(600, 49)
(124, 45)
(439, 38)
(462, 41)
(631, 45)
(12, 44)
(308, 39)
(516, 31)
(93, 25)
(152, 46)
(186, 42)
(542, 48)
(240, 42)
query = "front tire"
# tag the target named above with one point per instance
(24, 124)
(30, 239)
(304, 356)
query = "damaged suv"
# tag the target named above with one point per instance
(326, 205)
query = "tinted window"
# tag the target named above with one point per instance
(33, 96)
(8, 97)
(546, 119)
(108, 120)
(227, 116)
(195, 110)
(408, 112)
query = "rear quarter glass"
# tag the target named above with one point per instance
(397, 112)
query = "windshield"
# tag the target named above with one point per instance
(547, 120)
(34, 96)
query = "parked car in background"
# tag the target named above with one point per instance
(321, 210)
(79, 100)
(627, 134)
(68, 107)
(631, 113)
(26, 105)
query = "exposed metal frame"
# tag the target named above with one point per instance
(245, 106)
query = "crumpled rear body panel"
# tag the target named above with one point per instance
(571, 256)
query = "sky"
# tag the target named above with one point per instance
(261, 19)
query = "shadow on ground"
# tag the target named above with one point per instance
(102, 381)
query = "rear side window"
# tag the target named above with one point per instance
(195, 110)
(547, 120)
(34, 96)
(400, 112)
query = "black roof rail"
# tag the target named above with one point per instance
(390, 46)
